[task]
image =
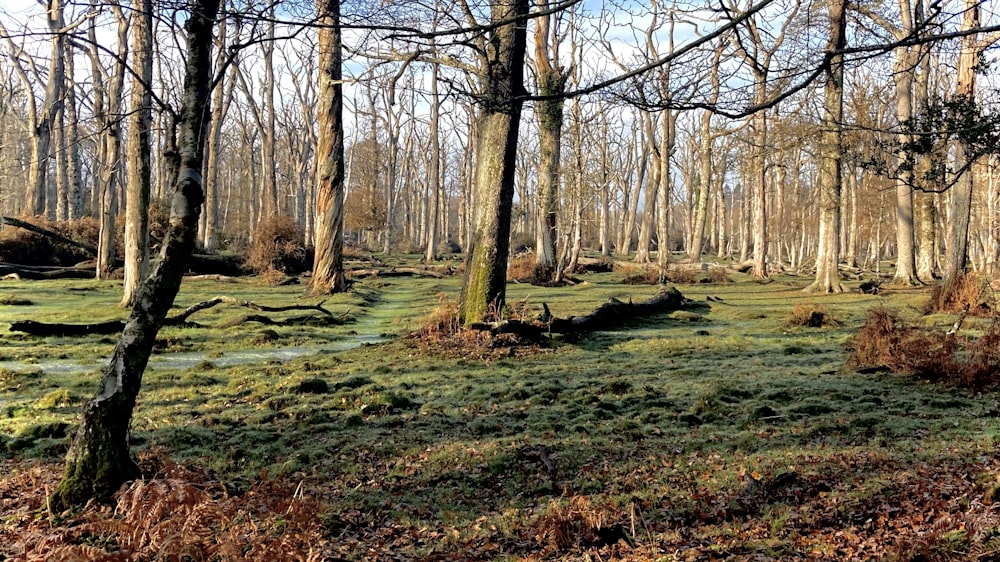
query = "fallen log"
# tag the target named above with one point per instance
(393, 272)
(610, 315)
(48, 233)
(310, 319)
(616, 313)
(38, 273)
(223, 299)
(45, 329)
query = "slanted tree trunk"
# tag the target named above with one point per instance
(831, 155)
(98, 461)
(328, 267)
(484, 286)
(138, 156)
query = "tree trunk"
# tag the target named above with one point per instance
(434, 172)
(222, 97)
(701, 190)
(484, 286)
(75, 203)
(904, 69)
(551, 81)
(98, 461)
(956, 257)
(663, 194)
(138, 186)
(107, 104)
(831, 155)
(328, 267)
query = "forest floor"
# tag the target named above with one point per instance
(719, 432)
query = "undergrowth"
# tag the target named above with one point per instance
(887, 341)
(173, 514)
(731, 437)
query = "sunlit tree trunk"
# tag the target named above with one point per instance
(831, 155)
(956, 256)
(484, 286)
(328, 267)
(107, 104)
(663, 193)
(98, 461)
(551, 81)
(75, 195)
(434, 172)
(139, 146)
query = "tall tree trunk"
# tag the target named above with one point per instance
(434, 172)
(222, 96)
(139, 172)
(701, 191)
(107, 104)
(831, 155)
(663, 194)
(632, 210)
(904, 69)
(484, 286)
(41, 148)
(759, 180)
(328, 267)
(98, 461)
(75, 205)
(551, 81)
(956, 257)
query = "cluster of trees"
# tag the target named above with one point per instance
(788, 133)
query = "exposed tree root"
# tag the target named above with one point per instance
(115, 326)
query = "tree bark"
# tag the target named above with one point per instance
(98, 461)
(484, 286)
(138, 157)
(328, 267)
(831, 155)
(956, 257)
(551, 81)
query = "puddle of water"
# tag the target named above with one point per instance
(187, 360)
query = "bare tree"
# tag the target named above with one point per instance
(484, 286)
(138, 154)
(831, 154)
(98, 461)
(328, 267)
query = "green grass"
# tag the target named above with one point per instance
(662, 424)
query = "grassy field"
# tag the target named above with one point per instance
(715, 433)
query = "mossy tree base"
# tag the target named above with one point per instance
(99, 462)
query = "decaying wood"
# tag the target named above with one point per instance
(291, 321)
(49, 234)
(610, 315)
(36, 273)
(395, 272)
(223, 299)
(45, 329)
(615, 313)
